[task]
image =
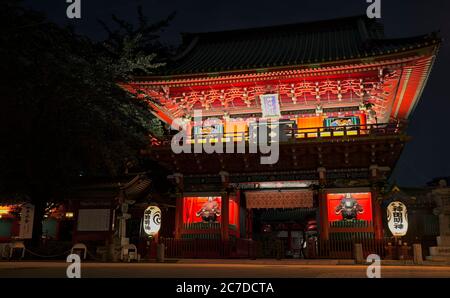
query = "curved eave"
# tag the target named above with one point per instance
(411, 85)
(157, 110)
(428, 48)
(416, 66)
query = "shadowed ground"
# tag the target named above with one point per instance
(211, 269)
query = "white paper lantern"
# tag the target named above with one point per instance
(152, 220)
(397, 216)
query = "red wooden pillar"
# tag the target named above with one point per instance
(238, 211)
(249, 223)
(323, 214)
(75, 226)
(323, 208)
(112, 219)
(377, 216)
(179, 215)
(225, 211)
(289, 244)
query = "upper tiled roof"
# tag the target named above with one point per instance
(294, 44)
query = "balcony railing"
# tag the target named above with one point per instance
(299, 134)
(349, 130)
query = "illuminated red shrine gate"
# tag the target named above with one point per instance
(340, 95)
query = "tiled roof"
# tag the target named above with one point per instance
(285, 45)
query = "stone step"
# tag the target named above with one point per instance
(440, 251)
(443, 240)
(438, 258)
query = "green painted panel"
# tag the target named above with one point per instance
(5, 228)
(49, 227)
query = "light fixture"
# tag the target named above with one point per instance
(362, 106)
(339, 88)
(294, 99)
(319, 110)
(4, 210)
(152, 220)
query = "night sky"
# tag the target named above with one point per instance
(425, 157)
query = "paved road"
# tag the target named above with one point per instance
(180, 270)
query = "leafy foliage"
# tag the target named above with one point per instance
(62, 115)
(137, 49)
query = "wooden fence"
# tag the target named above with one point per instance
(344, 249)
(209, 248)
(245, 248)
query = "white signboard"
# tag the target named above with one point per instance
(93, 220)
(26, 221)
(152, 220)
(270, 105)
(397, 216)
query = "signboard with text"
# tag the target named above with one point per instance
(26, 221)
(397, 216)
(152, 220)
(270, 105)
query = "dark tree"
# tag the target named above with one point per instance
(62, 115)
(128, 46)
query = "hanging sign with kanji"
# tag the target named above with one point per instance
(152, 220)
(270, 105)
(397, 216)
(26, 221)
